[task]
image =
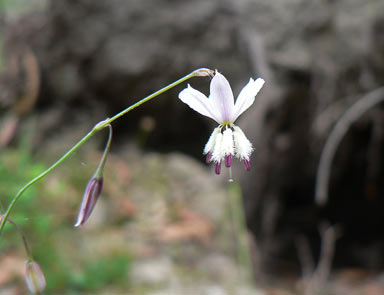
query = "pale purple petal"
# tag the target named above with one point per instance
(199, 102)
(246, 97)
(34, 277)
(222, 97)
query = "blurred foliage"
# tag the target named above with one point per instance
(16, 8)
(1, 55)
(45, 214)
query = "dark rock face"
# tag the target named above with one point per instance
(112, 53)
(318, 58)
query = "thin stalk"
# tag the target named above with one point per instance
(199, 72)
(40, 176)
(26, 246)
(100, 168)
(243, 248)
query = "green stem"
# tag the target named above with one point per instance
(199, 72)
(26, 246)
(243, 248)
(100, 168)
(40, 176)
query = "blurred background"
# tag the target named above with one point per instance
(162, 224)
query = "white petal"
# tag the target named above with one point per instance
(227, 144)
(246, 97)
(243, 147)
(217, 154)
(222, 97)
(211, 141)
(199, 102)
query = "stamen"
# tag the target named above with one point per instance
(228, 161)
(247, 164)
(230, 179)
(217, 167)
(208, 158)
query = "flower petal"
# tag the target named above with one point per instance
(199, 102)
(246, 97)
(209, 146)
(222, 97)
(243, 147)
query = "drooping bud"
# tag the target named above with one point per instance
(91, 195)
(94, 186)
(34, 277)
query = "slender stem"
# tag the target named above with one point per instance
(239, 222)
(40, 176)
(26, 246)
(199, 72)
(100, 168)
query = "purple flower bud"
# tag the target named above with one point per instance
(228, 161)
(91, 195)
(217, 167)
(34, 277)
(247, 164)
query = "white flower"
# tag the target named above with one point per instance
(227, 140)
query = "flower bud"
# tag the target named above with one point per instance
(91, 195)
(204, 72)
(34, 277)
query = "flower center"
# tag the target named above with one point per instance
(225, 126)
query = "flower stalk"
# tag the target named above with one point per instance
(94, 186)
(100, 169)
(34, 276)
(203, 72)
(22, 235)
(240, 225)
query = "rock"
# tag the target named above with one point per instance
(154, 271)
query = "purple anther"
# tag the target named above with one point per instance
(208, 158)
(217, 167)
(228, 161)
(247, 164)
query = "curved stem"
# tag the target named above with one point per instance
(342, 126)
(100, 168)
(199, 72)
(203, 72)
(26, 246)
(40, 176)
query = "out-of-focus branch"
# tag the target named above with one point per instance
(352, 114)
(305, 256)
(315, 279)
(329, 235)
